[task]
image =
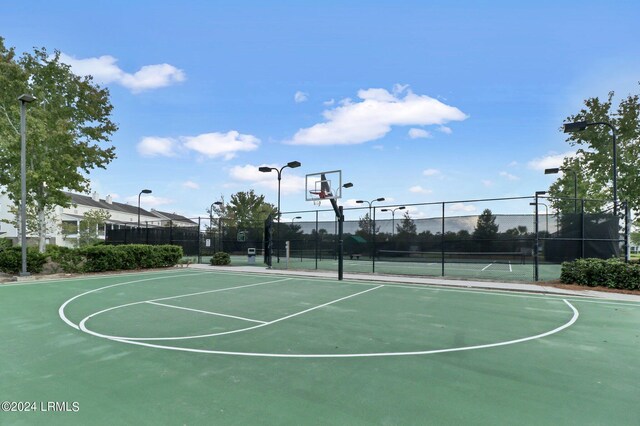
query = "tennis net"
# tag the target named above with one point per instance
(519, 257)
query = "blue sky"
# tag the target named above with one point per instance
(415, 101)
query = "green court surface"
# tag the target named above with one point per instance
(193, 347)
(465, 270)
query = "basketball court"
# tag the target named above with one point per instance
(194, 346)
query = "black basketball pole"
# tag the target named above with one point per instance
(340, 244)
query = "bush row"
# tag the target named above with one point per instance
(611, 273)
(101, 258)
(11, 260)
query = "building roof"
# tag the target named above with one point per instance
(86, 200)
(172, 216)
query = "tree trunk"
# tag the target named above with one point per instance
(42, 229)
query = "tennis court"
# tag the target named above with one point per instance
(192, 346)
(509, 269)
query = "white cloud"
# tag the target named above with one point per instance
(549, 161)
(190, 185)
(417, 189)
(151, 146)
(378, 147)
(487, 182)
(513, 164)
(329, 102)
(431, 172)
(446, 130)
(224, 145)
(461, 207)
(300, 97)
(212, 145)
(105, 70)
(418, 133)
(373, 117)
(290, 183)
(509, 176)
(148, 201)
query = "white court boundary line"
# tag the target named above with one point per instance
(78, 327)
(218, 314)
(82, 327)
(363, 355)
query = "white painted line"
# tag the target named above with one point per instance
(487, 266)
(83, 327)
(64, 305)
(573, 319)
(510, 270)
(207, 312)
(218, 290)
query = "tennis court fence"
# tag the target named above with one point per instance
(507, 238)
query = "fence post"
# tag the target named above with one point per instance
(373, 264)
(317, 239)
(627, 232)
(198, 240)
(340, 244)
(442, 240)
(171, 232)
(582, 228)
(536, 245)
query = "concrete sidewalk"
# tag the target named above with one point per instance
(523, 287)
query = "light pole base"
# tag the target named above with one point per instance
(24, 274)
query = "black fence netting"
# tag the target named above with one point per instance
(507, 239)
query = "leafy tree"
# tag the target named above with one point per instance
(406, 226)
(517, 231)
(486, 227)
(365, 226)
(89, 227)
(66, 125)
(594, 159)
(246, 210)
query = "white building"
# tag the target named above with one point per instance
(121, 215)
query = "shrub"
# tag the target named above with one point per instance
(11, 260)
(101, 258)
(220, 258)
(612, 273)
(168, 255)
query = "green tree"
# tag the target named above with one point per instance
(406, 226)
(90, 226)
(89, 229)
(65, 127)
(593, 163)
(365, 226)
(486, 227)
(247, 210)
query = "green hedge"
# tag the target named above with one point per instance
(11, 260)
(611, 273)
(101, 258)
(221, 258)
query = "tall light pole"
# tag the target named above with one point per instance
(393, 218)
(579, 126)
(372, 228)
(546, 212)
(24, 100)
(144, 191)
(266, 169)
(555, 170)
